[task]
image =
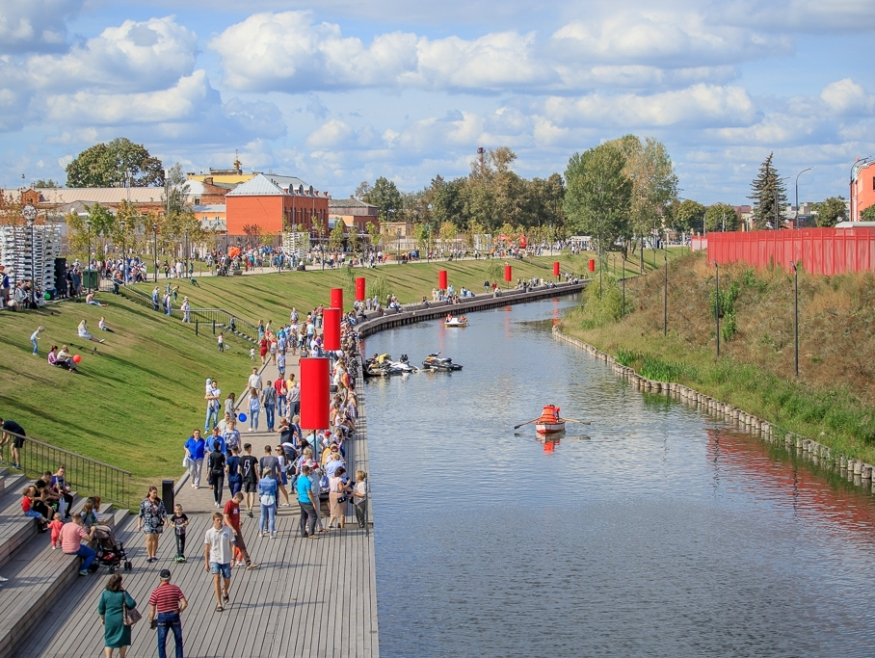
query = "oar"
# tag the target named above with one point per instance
(516, 427)
(571, 420)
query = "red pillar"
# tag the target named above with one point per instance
(442, 280)
(331, 328)
(556, 268)
(337, 298)
(508, 273)
(314, 393)
(360, 289)
(591, 265)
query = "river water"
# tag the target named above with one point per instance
(654, 531)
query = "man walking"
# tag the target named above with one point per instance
(232, 520)
(218, 554)
(165, 605)
(255, 380)
(249, 470)
(213, 406)
(305, 500)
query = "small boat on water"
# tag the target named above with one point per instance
(437, 363)
(454, 321)
(549, 421)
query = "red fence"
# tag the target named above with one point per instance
(819, 250)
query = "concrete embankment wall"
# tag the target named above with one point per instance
(856, 470)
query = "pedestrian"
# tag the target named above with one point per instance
(220, 340)
(252, 354)
(232, 520)
(305, 500)
(195, 449)
(213, 405)
(151, 522)
(218, 554)
(216, 466)
(249, 473)
(179, 521)
(360, 498)
(34, 337)
(267, 490)
(268, 399)
(9, 429)
(232, 467)
(166, 603)
(111, 608)
(254, 409)
(72, 535)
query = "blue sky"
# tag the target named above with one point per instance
(344, 91)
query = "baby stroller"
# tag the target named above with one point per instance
(110, 553)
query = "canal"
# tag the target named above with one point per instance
(655, 530)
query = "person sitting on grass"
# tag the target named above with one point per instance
(83, 332)
(102, 325)
(89, 299)
(65, 360)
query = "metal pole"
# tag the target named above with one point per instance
(717, 306)
(624, 296)
(795, 319)
(155, 247)
(665, 294)
(796, 218)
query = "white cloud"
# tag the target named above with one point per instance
(847, 97)
(136, 56)
(329, 134)
(813, 16)
(35, 25)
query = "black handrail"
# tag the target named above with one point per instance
(88, 477)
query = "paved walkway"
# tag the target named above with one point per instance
(309, 598)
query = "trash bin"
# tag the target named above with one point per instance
(90, 279)
(167, 495)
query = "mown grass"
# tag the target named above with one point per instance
(833, 399)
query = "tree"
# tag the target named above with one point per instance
(447, 233)
(721, 217)
(599, 194)
(386, 197)
(373, 234)
(768, 195)
(335, 238)
(868, 215)
(115, 164)
(689, 216)
(362, 190)
(830, 211)
(46, 184)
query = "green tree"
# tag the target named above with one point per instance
(362, 190)
(599, 194)
(46, 184)
(868, 215)
(84, 231)
(386, 197)
(447, 202)
(335, 238)
(830, 211)
(689, 216)
(448, 233)
(721, 217)
(115, 164)
(768, 195)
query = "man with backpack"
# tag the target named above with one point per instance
(249, 471)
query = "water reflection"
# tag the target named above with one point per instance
(656, 532)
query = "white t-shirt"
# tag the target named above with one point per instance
(255, 382)
(220, 542)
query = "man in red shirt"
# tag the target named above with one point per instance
(167, 601)
(232, 520)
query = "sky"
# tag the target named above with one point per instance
(343, 92)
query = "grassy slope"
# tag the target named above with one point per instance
(833, 399)
(141, 395)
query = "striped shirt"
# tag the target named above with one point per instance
(166, 598)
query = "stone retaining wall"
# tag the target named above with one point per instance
(856, 471)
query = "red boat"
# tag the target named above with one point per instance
(549, 422)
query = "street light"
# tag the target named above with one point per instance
(665, 292)
(124, 254)
(398, 254)
(155, 248)
(796, 218)
(186, 249)
(88, 224)
(29, 213)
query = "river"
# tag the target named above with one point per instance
(654, 531)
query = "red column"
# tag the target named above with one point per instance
(508, 273)
(556, 269)
(442, 280)
(337, 298)
(331, 328)
(360, 289)
(591, 265)
(314, 393)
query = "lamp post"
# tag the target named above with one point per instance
(796, 217)
(185, 260)
(665, 292)
(398, 252)
(29, 213)
(795, 319)
(717, 306)
(88, 224)
(155, 248)
(427, 243)
(124, 254)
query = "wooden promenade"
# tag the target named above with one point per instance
(314, 598)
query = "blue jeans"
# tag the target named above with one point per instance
(211, 414)
(169, 621)
(87, 553)
(235, 484)
(253, 418)
(35, 346)
(268, 412)
(268, 518)
(281, 405)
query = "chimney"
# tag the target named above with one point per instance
(208, 180)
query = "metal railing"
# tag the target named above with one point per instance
(88, 477)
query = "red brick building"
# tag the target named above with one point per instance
(275, 204)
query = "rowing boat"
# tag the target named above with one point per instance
(550, 422)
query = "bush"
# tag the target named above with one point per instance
(602, 304)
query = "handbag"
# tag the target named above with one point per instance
(186, 462)
(130, 615)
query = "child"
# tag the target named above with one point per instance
(221, 342)
(179, 521)
(252, 354)
(55, 526)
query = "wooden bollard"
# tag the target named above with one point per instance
(867, 472)
(858, 467)
(843, 462)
